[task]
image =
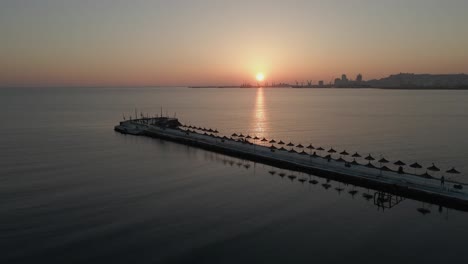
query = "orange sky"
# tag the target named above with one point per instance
(117, 43)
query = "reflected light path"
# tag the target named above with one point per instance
(259, 123)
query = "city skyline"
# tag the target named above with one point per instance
(171, 43)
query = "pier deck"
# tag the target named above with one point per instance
(410, 185)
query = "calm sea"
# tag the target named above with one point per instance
(74, 191)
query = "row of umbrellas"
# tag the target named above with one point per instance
(369, 158)
(201, 129)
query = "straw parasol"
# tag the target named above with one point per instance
(264, 140)
(356, 155)
(399, 163)
(234, 135)
(453, 171)
(248, 136)
(272, 141)
(280, 143)
(290, 144)
(331, 150)
(415, 166)
(320, 149)
(299, 146)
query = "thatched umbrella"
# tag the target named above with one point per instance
(344, 153)
(299, 146)
(280, 143)
(453, 171)
(356, 155)
(354, 162)
(264, 140)
(215, 131)
(240, 135)
(303, 153)
(320, 149)
(433, 168)
(290, 144)
(310, 147)
(331, 150)
(399, 163)
(292, 150)
(282, 149)
(234, 135)
(272, 147)
(382, 160)
(248, 136)
(272, 141)
(415, 166)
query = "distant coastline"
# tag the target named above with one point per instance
(401, 81)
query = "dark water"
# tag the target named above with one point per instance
(74, 191)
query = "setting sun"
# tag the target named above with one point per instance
(260, 77)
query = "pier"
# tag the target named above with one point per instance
(422, 187)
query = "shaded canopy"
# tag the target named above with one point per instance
(341, 160)
(369, 157)
(320, 148)
(399, 163)
(299, 146)
(281, 142)
(293, 151)
(272, 141)
(303, 153)
(383, 160)
(331, 150)
(354, 162)
(453, 171)
(433, 168)
(310, 146)
(256, 138)
(356, 155)
(234, 135)
(264, 139)
(282, 148)
(344, 153)
(290, 144)
(240, 135)
(273, 147)
(248, 136)
(416, 165)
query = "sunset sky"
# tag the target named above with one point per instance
(122, 42)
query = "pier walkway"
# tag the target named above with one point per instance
(407, 183)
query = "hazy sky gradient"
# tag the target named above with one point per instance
(121, 42)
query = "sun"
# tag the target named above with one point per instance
(260, 77)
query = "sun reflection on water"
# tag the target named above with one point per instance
(259, 120)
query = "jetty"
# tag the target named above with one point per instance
(300, 158)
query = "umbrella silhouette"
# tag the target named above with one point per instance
(272, 141)
(385, 168)
(241, 136)
(273, 147)
(215, 131)
(415, 166)
(356, 155)
(320, 148)
(293, 151)
(248, 136)
(331, 150)
(433, 168)
(264, 140)
(290, 144)
(453, 171)
(369, 158)
(354, 162)
(299, 146)
(234, 135)
(340, 160)
(281, 142)
(344, 153)
(382, 160)
(283, 149)
(210, 130)
(310, 146)
(399, 163)
(303, 153)
(256, 138)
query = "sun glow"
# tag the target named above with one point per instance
(260, 77)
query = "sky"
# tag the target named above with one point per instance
(208, 42)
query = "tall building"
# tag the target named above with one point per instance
(359, 78)
(344, 78)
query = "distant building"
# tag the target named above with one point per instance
(320, 83)
(359, 78)
(344, 78)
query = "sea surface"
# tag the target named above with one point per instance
(74, 191)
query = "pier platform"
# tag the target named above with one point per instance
(452, 194)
